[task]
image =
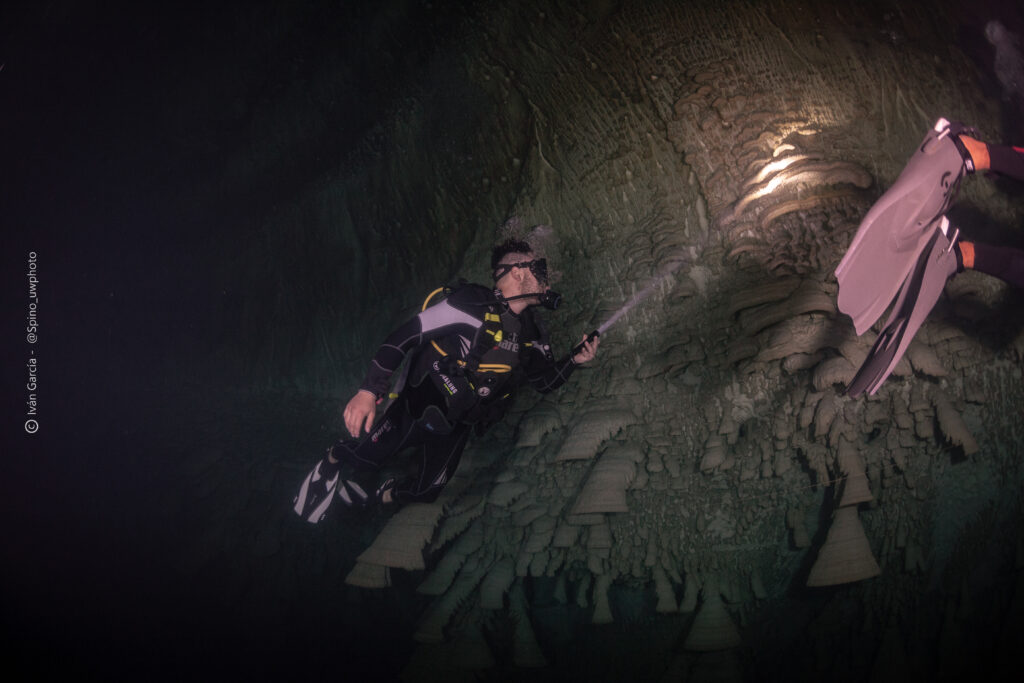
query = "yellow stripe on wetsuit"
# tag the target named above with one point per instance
(488, 318)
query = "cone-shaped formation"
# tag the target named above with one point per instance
(365, 575)
(854, 487)
(593, 429)
(438, 581)
(542, 418)
(846, 555)
(690, 594)
(435, 620)
(795, 521)
(605, 490)
(496, 584)
(663, 589)
(713, 628)
(526, 651)
(602, 608)
(400, 543)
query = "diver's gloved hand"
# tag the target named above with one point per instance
(589, 346)
(360, 412)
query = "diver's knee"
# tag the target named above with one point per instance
(343, 451)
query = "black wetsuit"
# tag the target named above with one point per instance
(1006, 160)
(442, 399)
(1005, 263)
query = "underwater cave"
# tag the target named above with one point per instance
(215, 213)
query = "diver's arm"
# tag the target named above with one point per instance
(588, 351)
(549, 377)
(1003, 159)
(389, 357)
(1005, 263)
(451, 316)
(546, 374)
(436, 321)
(360, 412)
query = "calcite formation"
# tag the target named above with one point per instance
(846, 554)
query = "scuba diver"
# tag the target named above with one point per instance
(464, 356)
(1005, 263)
(906, 248)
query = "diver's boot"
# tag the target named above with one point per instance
(978, 158)
(964, 255)
(317, 491)
(355, 492)
(899, 227)
(384, 492)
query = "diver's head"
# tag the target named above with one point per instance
(519, 273)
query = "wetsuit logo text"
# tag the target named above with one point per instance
(510, 344)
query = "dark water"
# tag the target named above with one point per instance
(116, 123)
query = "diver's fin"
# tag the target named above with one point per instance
(354, 493)
(387, 485)
(317, 491)
(897, 229)
(916, 299)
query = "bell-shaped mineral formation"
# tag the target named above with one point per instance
(605, 490)
(846, 555)
(854, 485)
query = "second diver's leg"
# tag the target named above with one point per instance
(1005, 263)
(1006, 160)
(1003, 159)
